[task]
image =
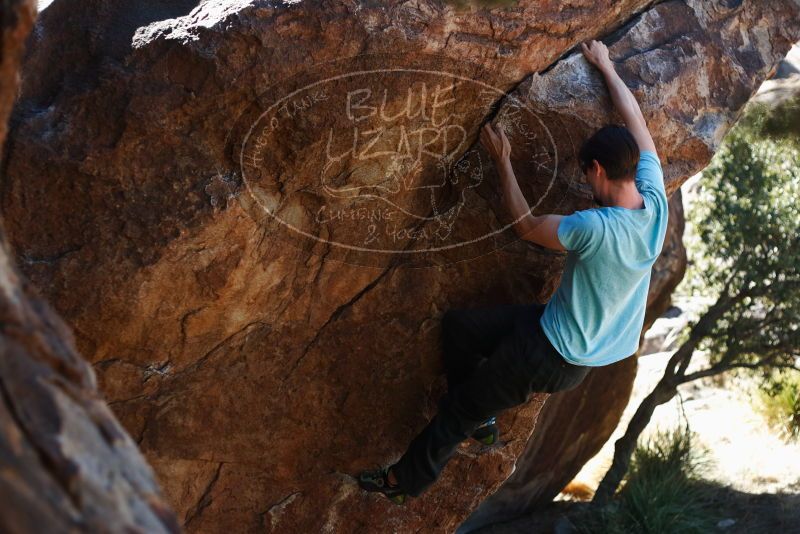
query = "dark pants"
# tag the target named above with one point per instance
(495, 357)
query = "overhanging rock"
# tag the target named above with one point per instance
(255, 251)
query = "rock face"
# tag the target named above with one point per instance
(574, 425)
(66, 464)
(253, 215)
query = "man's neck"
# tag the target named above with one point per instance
(625, 196)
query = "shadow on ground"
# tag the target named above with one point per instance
(753, 513)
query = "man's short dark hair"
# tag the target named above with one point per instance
(614, 148)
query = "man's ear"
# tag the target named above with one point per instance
(600, 172)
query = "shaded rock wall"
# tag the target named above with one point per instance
(254, 214)
(66, 464)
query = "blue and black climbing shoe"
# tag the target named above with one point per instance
(487, 433)
(378, 480)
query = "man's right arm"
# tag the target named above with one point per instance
(597, 54)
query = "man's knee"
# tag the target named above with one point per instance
(451, 329)
(455, 323)
(450, 320)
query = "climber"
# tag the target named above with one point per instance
(495, 357)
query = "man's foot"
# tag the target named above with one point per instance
(487, 433)
(381, 480)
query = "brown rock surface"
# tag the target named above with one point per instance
(574, 425)
(255, 254)
(66, 464)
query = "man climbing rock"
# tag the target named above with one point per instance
(495, 357)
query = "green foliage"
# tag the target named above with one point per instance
(663, 492)
(670, 453)
(780, 403)
(743, 243)
(781, 122)
(747, 219)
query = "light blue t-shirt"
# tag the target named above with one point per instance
(597, 313)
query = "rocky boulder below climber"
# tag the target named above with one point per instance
(66, 464)
(254, 214)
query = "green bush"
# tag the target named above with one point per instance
(780, 123)
(662, 492)
(754, 184)
(779, 402)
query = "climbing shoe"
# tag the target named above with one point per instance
(487, 433)
(378, 480)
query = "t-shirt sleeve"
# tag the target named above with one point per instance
(581, 231)
(649, 174)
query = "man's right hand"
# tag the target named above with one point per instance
(596, 53)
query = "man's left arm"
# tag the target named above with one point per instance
(542, 229)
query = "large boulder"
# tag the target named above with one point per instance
(253, 215)
(66, 464)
